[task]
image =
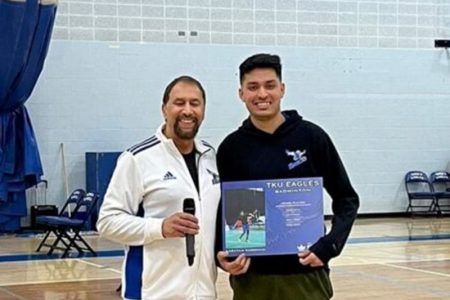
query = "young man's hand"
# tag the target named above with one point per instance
(307, 258)
(238, 266)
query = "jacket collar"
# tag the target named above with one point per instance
(198, 144)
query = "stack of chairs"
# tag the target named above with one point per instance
(440, 182)
(421, 198)
(67, 227)
(67, 210)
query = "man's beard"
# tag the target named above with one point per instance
(185, 135)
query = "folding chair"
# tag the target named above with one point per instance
(66, 211)
(67, 230)
(420, 193)
(440, 181)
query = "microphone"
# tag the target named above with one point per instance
(189, 207)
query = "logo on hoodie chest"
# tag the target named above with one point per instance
(215, 177)
(297, 156)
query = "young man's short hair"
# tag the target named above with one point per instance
(261, 60)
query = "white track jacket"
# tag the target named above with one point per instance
(149, 183)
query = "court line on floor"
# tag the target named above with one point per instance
(99, 266)
(27, 257)
(417, 270)
(406, 238)
(337, 263)
(57, 281)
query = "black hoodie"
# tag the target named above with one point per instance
(251, 154)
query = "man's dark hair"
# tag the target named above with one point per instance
(186, 79)
(258, 61)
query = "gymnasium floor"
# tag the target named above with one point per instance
(397, 258)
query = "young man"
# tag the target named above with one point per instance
(263, 148)
(143, 206)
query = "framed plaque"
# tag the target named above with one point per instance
(272, 217)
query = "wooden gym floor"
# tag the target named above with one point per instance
(397, 258)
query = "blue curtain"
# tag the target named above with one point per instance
(25, 30)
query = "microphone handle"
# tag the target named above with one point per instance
(190, 251)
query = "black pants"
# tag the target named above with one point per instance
(314, 285)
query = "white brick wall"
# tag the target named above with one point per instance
(345, 23)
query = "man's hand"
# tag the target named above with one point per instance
(180, 224)
(238, 266)
(307, 258)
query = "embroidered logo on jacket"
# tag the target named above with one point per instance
(169, 176)
(215, 176)
(297, 157)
